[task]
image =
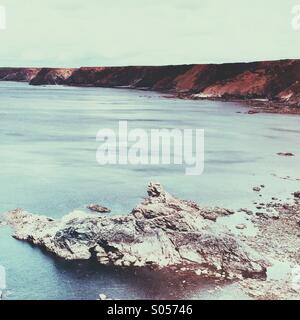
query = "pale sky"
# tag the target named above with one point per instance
(73, 33)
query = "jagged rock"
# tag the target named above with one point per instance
(297, 194)
(18, 74)
(103, 297)
(247, 211)
(257, 189)
(274, 215)
(161, 232)
(262, 215)
(98, 208)
(53, 76)
(241, 226)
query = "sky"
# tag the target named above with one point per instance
(74, 33)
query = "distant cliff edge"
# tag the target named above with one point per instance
(275, 81)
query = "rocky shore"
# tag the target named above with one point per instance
(166, 233)
(161, 232)
(277, 239)
(268, 86)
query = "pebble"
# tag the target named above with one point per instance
(247, 211)
(241, 226)
(183, 269)
(102, 296)
(198, 272)
(261, 214)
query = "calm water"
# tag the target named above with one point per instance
(48, 166)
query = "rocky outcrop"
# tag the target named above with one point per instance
(276, 81)
(18, 74)
(261, 80)
(52, 76)
(291, 95)
(151, 78)
(297, 194)
(97, 208)
(161, 232)
(246, 85)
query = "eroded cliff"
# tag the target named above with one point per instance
(276, 81)
(18, 74)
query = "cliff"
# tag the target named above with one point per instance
(277, 81)
(18, 74)
(51, 76)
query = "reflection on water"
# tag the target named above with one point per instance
(33, 273)
(48, 166)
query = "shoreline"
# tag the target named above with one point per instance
(278, 233)
(255, 106)
(275, 244)
(266, 86)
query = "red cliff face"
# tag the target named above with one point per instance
(259, 80)
(291, 95)
(18, 74)
(152, 78)
(273, 80)
(51, 76)
(247, 84)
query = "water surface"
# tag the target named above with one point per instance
(48, 166)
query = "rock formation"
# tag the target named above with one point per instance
(18, 74)
(291, 95)
(97, 208)
(51, 76)
(161, 232)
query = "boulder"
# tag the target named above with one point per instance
(297, 194)
(98, 208)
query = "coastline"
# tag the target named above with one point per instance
(271, 227)
(267, 86)
(254, 105)
(227, 256)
